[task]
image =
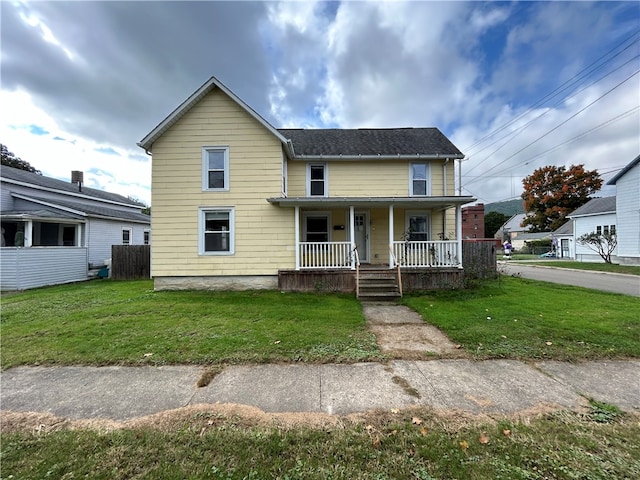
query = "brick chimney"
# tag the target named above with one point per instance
(77, 178)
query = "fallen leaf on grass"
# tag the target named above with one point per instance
(416, 421)
(148, 354)
(548, 343)
(464, 445)
(458, 347)
(506, 432)
(394, 410)
(484, 439)
(423, 431)
(376, 442)
(276, 342)
(369, 428)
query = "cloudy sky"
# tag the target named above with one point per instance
(515, 86)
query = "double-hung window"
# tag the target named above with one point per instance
(215, 168)
(419, 184)
(126, 236)
(317, 180)
(418, 224)
(216, 235)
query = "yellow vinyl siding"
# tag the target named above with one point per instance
(264, 234)
(373, 178)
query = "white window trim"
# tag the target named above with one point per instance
(146, 231)
(313, 213)
(205, 168)
(326, 178)
(428, 193)
(130, 236)
(418, 213)
(232, 230)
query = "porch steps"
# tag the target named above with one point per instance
(378, 286)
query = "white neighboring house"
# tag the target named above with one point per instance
(566, 243)
(597, 215)
(53, 231)
(627, 184)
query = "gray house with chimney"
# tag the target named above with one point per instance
(55, 231)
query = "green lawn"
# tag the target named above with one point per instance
(106, 322)
(377, 446)
(597, 267)
(525, 319)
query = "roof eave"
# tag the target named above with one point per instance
(415, 156)
(434, 202)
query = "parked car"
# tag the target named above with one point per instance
(548, 255)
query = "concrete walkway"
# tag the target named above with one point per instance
(492, 387)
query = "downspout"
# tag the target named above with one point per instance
(444, 191)
(297, 235)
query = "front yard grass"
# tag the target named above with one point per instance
(526, 319)
(414, 444)
(105, 322)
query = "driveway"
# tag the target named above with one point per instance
(608, 282)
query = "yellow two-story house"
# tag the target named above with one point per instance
(237, 203)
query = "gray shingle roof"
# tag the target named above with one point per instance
(565, 229)
(96, 211)
(595, 206)
(371, 142)
(55, 184)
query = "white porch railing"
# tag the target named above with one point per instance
(326, 255)
(432, 254)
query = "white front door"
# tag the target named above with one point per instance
(361, 226)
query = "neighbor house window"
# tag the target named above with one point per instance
(215, 168)
(216, 236)
(606, 229)
(599, 230)
(317, 180)
(419, 185)
(126, 236)
(147, 237)
(612, 229)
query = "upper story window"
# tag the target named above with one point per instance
(419, 184)
(317, 185)
(215, 168)
(126, 236)
(147, 237)
(216, 231)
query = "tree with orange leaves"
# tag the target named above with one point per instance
(551, 193)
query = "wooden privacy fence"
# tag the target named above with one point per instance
(479, 258)
(130, 262)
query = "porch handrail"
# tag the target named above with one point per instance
(428, 253)
(397, 265)
(357, 262)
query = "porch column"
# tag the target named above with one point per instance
(78, 241)
(28, 233)
(297, 234)
(459, 233)
(352, 232)
(391, 263)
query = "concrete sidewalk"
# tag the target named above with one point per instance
(494, 387)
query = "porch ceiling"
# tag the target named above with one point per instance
(372, 202)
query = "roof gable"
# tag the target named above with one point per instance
(596, 206)
(193, 99)
(371, 143)
(624, 171)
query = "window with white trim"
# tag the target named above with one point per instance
(317, 180)
(419, 184)
(126, 236)
(316, 227)
(216, 231)
(215, 168)
(418, 224)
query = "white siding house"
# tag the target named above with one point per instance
(53, 231)
(627, 184)
(597, 215)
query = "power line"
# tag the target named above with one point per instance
(560, 88)
(564, 122)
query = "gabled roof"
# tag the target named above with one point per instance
(514, 224)
(15, 175)
(194, 98)
(371, 143)
(622, 172)
(405, 143)
(595, 206)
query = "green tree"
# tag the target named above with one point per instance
(492, 223)
(602, 243)
(551, 193)
(10, 160)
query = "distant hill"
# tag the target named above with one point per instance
(509, 207)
